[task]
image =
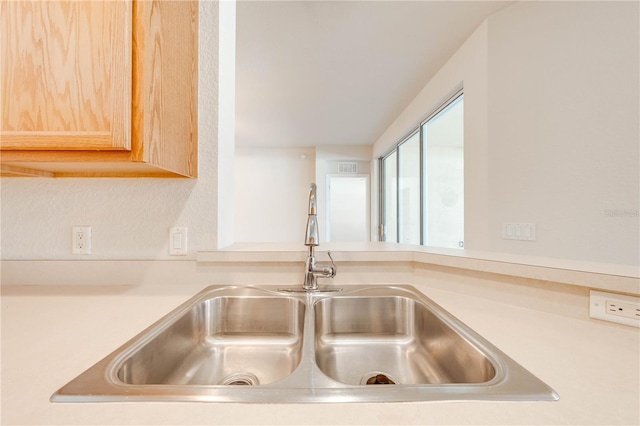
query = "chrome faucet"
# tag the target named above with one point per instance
(312, 271)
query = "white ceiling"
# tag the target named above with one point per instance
(312, 73)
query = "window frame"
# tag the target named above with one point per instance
(448, 101)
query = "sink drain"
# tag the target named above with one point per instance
(377, 378)
(240, 379)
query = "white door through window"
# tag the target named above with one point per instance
(348, 199)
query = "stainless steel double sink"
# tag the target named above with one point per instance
(268, 344)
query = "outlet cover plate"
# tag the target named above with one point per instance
(81, 240)
(618, 308)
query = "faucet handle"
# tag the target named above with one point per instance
(334, 268)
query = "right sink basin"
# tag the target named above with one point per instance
(393, 339)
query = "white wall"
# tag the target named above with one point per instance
(551, 128)
(226, 79)
(271, 193)
(568, 153)
(130, 218)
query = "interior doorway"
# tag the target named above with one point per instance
(348, 206)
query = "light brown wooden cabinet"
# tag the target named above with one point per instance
(99, 88)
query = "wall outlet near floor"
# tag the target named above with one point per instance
(81, 240)
(617, 308)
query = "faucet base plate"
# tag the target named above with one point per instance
(314, 291)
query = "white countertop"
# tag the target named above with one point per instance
(50, 334)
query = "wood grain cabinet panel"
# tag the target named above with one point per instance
(99, 88)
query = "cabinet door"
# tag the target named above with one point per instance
(66, 75)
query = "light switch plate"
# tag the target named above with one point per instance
(178, 241)
(519, 231)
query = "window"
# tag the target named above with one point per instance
(409, 190)
(390, 197)
(422, 187)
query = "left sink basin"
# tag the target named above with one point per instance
(223, 337)
(223, 340)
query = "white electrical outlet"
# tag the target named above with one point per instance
(81, 240)
(615, 307)
(178, 241)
